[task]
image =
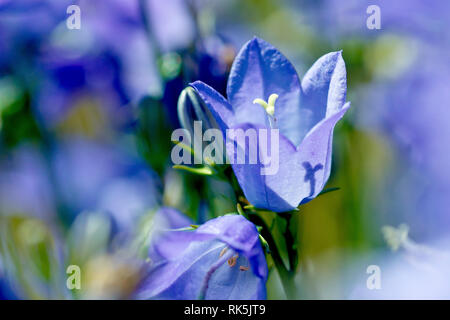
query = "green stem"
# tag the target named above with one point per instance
(286, 276)
(290, 242)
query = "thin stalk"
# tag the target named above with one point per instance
(286, 276)
(290, 242)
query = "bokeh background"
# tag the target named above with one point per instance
(86, 117)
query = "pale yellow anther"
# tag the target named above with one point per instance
(232, 261)
(224, 250)
(268, 106)
(261, 102)
(242, 268)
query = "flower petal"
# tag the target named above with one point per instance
(241, 235)
(258, 71)
(217, 104)
(302, 171)
(234, 230)
(314, 154)
(162, 247)
(170, 218)
(324, 89)
(276, 190)
(182, 275)
(195, 258)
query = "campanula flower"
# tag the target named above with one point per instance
(264, 91)
(221, 259)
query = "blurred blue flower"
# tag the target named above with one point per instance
(424, 20)
(305, 114)
(94, 176)
(221, 259)
(180, 32)
(120, 29)
(105, 65)
(89, 86)
(413, 271)
(164, 219)
(406, 101)
(25, 187)
(413, 112)
(25, 27)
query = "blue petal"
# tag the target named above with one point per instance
(324, 89)
(277, 192)
(184, 277)
(258, 71)
(234, 230)
(305, 116)
(170, 218)
(314, 154)
(181, 276)
(166, 218)
(302, 171)
(217, 104)
(241, 235)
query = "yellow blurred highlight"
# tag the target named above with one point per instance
(86, 118)
(110, 277)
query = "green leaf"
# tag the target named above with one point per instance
(204, 171)
(329, 190)
(264, 244)
(239, 210)
(184, 146)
